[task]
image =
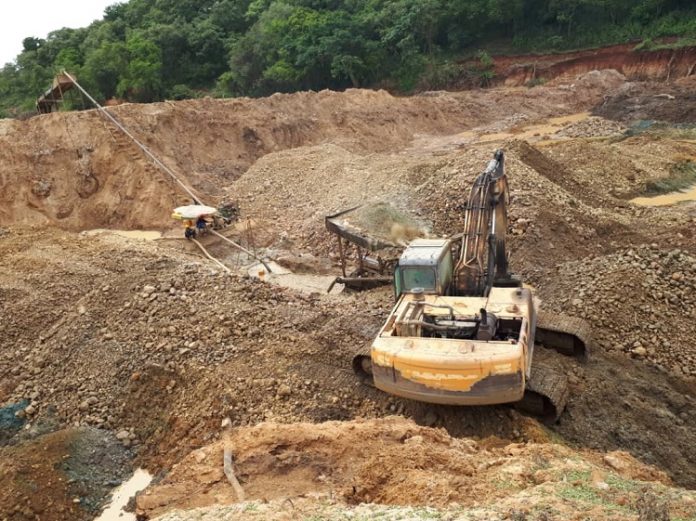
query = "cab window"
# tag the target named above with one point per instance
(398, 287)
(418, 277)
(445, 272)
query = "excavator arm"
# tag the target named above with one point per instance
(483, 257)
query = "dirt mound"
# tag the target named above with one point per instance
(569, 198)
(592, 127)
(621, 170)
(641, 405)
(301, 187)
(292, 191)
(606, 79)
(555, 208)
(74, 170)
(670, 102)
(395, 462)
(70, 169)
(641, 286)
(546, 166)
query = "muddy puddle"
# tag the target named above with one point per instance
(539, 133)
(145, 235)
(667, 199)
(283, 277)
(114, 511)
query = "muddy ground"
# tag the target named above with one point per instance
(150, 344)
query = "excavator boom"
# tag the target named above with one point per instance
(482, 258)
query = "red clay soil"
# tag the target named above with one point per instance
(635, 65)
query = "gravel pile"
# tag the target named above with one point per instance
(159, 338)
(592, 127)
(641, 301)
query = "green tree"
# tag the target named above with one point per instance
(141, 80)
(143, 50)
(103, 69)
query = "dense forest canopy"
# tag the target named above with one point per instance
(146, 50)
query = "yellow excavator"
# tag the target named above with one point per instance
(463, 330)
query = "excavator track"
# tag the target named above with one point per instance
(569, 336)
(362, 365)
(546, 392)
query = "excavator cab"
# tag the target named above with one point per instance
(424, 267)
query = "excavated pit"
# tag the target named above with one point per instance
(150, 341)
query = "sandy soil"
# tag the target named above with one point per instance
(74, 171)
(147, 341)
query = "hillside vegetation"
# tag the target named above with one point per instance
(147, 50)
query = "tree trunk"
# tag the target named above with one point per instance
(353, 79)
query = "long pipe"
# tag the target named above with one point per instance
(205, 252)
(149, 154)
(162, 166)
(265, 265)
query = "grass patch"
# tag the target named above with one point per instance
(682, 175)
(583, 492)
(251, 507)
(337, 512)
(535, 82)
(586, 493)
(649, 45)
(577, 475)
(618, 483)
(580, 488)
(428, 513)
(504, 484)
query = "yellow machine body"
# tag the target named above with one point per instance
(410, 360)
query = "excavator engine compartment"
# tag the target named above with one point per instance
(481, 325)
(443, 349)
